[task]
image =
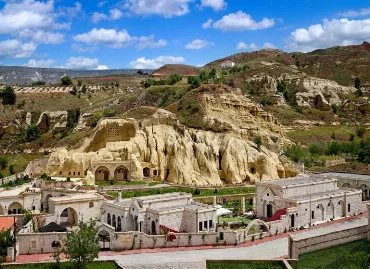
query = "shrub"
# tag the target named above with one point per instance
(12, 169)
(296, 153)
(194, 82)
(360, 131)
(357, 83)
(266, 101)
(333, 135)
(3, 162)
(38, 83)
(335, 108)
(8, 96)
(197, 191)
(32, 133)
(258, 141)
(68, 179)
(72, 119)
(93, 121)
(109, 112)
(351, 137)
(281, 87)
(66, 80)
(173, 79)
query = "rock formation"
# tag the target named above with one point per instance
(13, 128)
(55, 120)
(163, 148)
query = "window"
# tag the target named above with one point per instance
(60, 173)
(33, 207)
(69, 173)
(205, 224)
(113, 132)
(33, 244)
(55, 244)
(78, 173)
(312, 214)
(109, 220)
(91, 204)
(155, 172)
(200, 226)
(210, 223)
(74, 173)
(253, 170)
(221, 235)
(349, 207)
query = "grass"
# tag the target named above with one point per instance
(20, 162)
(203, 192)
(67, 265)
(234, 219)
(352, 255)
(246, 265)
(120, 183)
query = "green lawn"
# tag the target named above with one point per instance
(206, 192)
(67, 265)
(120, 183)
(353, 255)
(246, 265)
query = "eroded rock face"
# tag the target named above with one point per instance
(83, 121)
(163, 148)
(14, 128)
(55, 120)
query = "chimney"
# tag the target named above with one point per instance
(119, 196)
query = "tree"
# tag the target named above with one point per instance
(11, 169)
(32, 133)
(140, 72)
(72, 118)
(6, 241)
(66, 80)
(173, 79)
(81, 245)
(281, 87)
(357, 83)
(360, 131)
(3, 162)
(194, 82)
(8, 96)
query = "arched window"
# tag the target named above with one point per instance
(146, 172)
(109, 221)
(91, 204)
(119, 227)
(56, 244)
(114, 221)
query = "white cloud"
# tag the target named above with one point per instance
(114, 14)
(244, 46)
(84, 63)
(241, 21)
(108, 37)
(356, 13)
(12, 48)
(149, 42)
(198, 44)
(143, 63)
(102, 3)
(71, 11)
(268, 45)
(215, 4)
(165, 8)
(39, 63)
(207, 24)
(42, 37)
(329, 33)
(84, 48)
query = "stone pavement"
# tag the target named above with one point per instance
(194, 257)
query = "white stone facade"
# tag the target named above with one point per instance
(176, 211)
(310, 200)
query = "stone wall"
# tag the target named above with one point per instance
(36, 243)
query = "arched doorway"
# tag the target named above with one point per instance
(269, 210)
(119, 224)
(341, 209)
(15, 208)
(121, 173)
(146, 172)
(346, 185)
(69, 217)
(330, 211)
(320, 212)
(46, 207)
(365, 192)
(292, 222)
(104, 239)
(154, 230)
(102, 174)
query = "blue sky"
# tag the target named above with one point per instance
(150, 33)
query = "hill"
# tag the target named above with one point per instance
(27, 75)
(181, 69)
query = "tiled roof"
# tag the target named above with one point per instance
(6, 223)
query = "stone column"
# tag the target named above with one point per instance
(243, 204)
(119, 196)
(214, 200)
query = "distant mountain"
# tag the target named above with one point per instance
(27, 75)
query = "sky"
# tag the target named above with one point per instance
(111, 34)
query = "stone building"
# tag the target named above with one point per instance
(175, 211)
(314, 200)
(15, 200)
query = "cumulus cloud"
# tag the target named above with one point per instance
(79, 48)
(149, 42)
(329, 33)
(102, 3)
(108, 37)
(42, 37)
(39, 63)
(268, 45)
(71, 12)
(12, 48)
(143, 63)
(207, 24)
(356, 13)
(244, 46)
(215, 4)
(114, 14)
(165, 8)
(84, 63)
(198, 44)
(241, 21)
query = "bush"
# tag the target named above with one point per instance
(258, 141)
(360, 131)
(296, 153)
(72, 119)
(32, 133)
(359, 92)
(66, 80)
(11, 169)
(3, 162)
(266, 101)
(173, 79)
(109, 112)
(196, 191)
(335, 108)
(281, 87)
(38, 83)
(351, 137)
(8, 96)
(357, 83)
(93, 121)
(194, 82)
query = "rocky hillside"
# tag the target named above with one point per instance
(181, 69)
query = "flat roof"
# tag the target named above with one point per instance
(295, 181)
(344, 175)
(187, 206)
(80, 196)
(159, 197)
(324, 194)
